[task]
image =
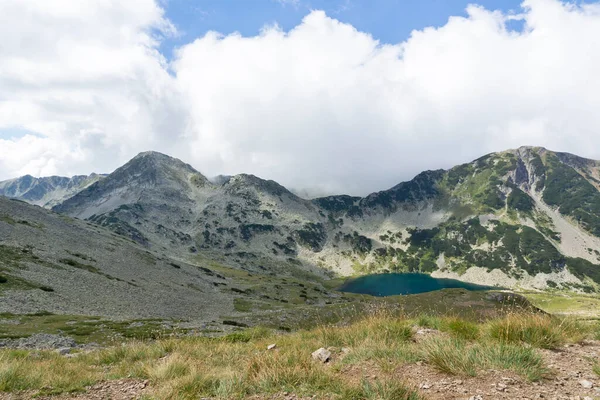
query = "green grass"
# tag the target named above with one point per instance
(476, 335)
(460, 357)
(84, 329)
(242, 305)
(461, 328)
(537, 330)
(7, 219)
(239, 365)
(566, 303)
(596, 368)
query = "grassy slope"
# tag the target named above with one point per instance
(239, 365)
(348, 308)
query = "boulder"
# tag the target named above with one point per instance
(322, 355)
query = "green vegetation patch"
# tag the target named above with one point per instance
(509, 245)
(520, 201)
(312, 236)
(572, 194)
(11, 259)
(360, 244)
(459, 357)
(86, 329)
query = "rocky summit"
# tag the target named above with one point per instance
(526, 218)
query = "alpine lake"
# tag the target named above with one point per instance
(392, 284)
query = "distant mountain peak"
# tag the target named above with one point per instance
(46, 191)
(153, 154)
(263, 185)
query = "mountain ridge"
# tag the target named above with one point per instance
(513, 202)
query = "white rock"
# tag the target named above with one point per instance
(426, 331)
(322, 355)
(586, 384)
(271, 346)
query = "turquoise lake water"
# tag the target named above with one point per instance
(403, 283)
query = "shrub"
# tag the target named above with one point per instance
(519, 200)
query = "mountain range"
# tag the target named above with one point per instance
(47, 191)
(525, 218)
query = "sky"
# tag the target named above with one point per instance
(323, 96)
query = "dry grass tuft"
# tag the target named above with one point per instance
(538, 330)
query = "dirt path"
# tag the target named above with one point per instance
(122, 389)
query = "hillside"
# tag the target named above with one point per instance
(526, 218)
(52, 263)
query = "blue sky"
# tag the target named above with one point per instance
(389, 21)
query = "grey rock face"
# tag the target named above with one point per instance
(41, 341)
(87, 270)
(48, 191)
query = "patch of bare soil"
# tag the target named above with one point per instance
(122, 389)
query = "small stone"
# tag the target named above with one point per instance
(322, 355)
(425, 386)
(586, 384)
(476, 397)
(271, 346)
(426, 331)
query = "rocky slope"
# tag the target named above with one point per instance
(521, 218)
(46, 192)
(54, 263)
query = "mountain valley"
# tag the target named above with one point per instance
(526, 218)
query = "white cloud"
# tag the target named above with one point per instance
(322, 106)
(85, 76)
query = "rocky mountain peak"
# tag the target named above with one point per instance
(243, 181)
(154, 169)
